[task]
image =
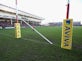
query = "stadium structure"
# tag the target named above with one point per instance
(8, 17)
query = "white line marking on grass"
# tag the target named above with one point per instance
(36, 41)
(10, 37)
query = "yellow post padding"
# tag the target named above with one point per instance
(17, 30)
(66, 41)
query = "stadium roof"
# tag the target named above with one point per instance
(11, 10)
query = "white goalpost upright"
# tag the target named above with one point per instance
(17, 24)
(18, 30)
(38, 32)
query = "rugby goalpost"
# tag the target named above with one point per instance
(67, 26)
(18, 30)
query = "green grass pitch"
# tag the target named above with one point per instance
(31, 47)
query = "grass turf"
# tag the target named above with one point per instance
(31, 47)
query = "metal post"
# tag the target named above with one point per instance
(17, 25)
(38, 32)
(68, 7)
(16, 12)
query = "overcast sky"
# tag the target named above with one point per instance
(51, 10)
